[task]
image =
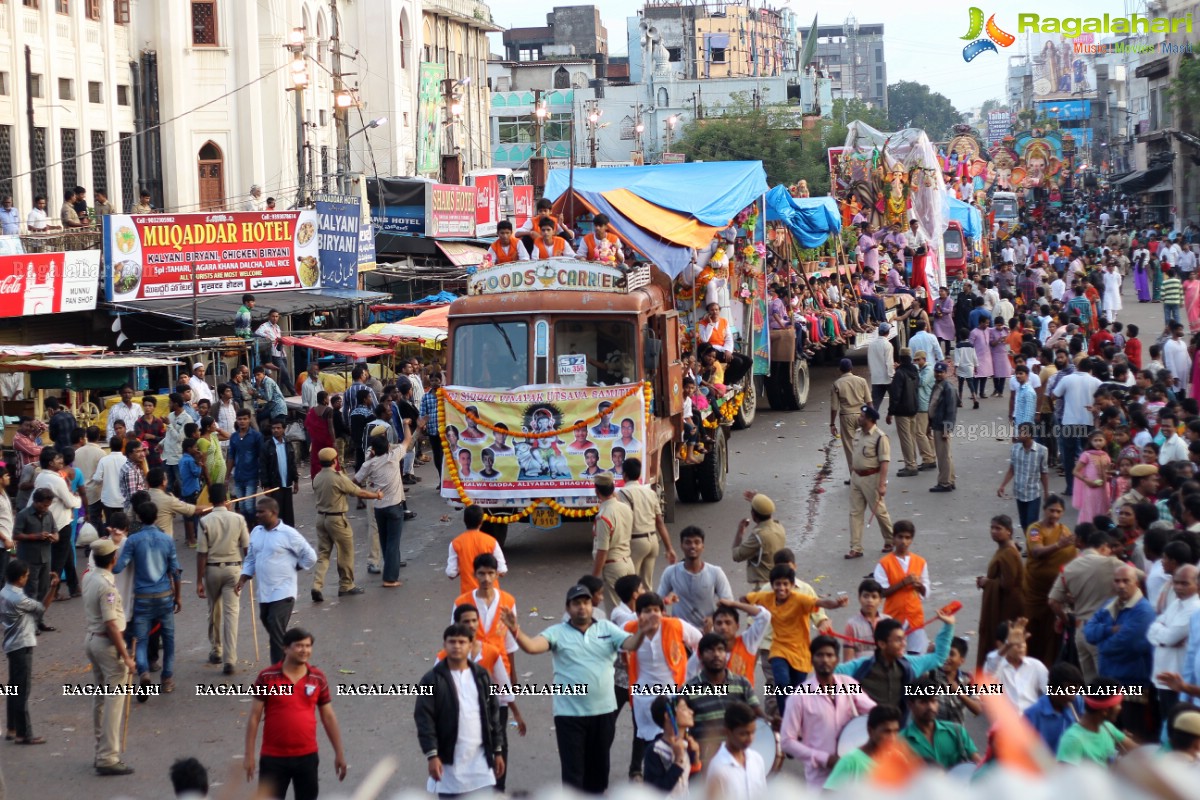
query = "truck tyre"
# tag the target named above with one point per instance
(749, 410)
(497, 530)
(664, 484)
(800, 383)
(710, 474)
(686, 488)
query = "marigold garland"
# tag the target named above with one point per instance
(517, 516)
(726, 411)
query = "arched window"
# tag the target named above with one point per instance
(211, 165)
(404, 40)
(322, 44)
(562, 78)
(663, 99)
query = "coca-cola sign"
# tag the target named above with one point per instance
(487, 204)
(49, 283)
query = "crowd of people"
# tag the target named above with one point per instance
(1092, 632)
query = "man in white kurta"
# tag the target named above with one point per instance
(1112, 292)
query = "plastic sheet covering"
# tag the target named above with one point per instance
(670, 225)
(904, 150)
(671, 258)
(713, 192)
(966, 215)
(810, 219)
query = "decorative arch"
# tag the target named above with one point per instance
(428, 39)
(322, 42)
(562, 78)
(405, 38)
(663, 98)
(210, 164)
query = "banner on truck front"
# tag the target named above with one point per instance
(493, 460)
(150, 256)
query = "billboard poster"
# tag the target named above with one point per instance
(398, 204)
(49, 283)
(366, 247)
(487, 204)
(998, 124)
(762, 330)
(452, 210)
(338, 234)
(522, 207)
(499, 463)
(429, 118)
(149, 256)
(1059, 73)
(838, 186)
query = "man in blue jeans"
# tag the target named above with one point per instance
(381, 472)
(244, 447)
(156, 592)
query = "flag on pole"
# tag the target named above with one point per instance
(810, 45)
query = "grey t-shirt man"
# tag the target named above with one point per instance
(698, 593)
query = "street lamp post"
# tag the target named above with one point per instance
(672, 121)
(299, 82)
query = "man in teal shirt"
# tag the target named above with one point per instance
(936, 741)
(883, 728)
(584, 651)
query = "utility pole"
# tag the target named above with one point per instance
(593, 118)
(539, 118)
(299, 80)
(638, 127)
(341, 103)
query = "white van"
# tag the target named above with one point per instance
(507, 179)
(1005, 207)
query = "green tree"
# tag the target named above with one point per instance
(991, 105)
(914, 105)
(1185, 91)
(846, 111)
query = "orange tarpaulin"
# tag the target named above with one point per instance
(666, 224)
(432, 318)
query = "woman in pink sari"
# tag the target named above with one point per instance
(1191, 302)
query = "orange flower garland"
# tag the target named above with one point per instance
(506, 519)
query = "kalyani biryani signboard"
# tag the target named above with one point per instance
(495, 459)
(150, 256)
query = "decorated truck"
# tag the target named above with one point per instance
(560, 370)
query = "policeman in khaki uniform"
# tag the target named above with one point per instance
(850, 393)
(648, 524)
(222, 541)
(331, 488)
(868, 481)
(612, 529)
(112, 664)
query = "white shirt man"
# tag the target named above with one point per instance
(309, 389)
(1023, 683)
(1104, 219)
(652, 668)
(129, 414)
(108, 476)
(1058, 287)
(1007, 254)
(737, 782)
(1077, 391)
(1176, 359)
(1169, 632)
(37, 220)
(200, 389)
(881, 360)
(255, 202)
(1187, 261)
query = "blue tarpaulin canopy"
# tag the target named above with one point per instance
(712, 192)
(810, 219)
(968, 216)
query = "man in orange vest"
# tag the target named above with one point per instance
(741, 648)
(491, 659)
(547, 244)
(507, 248)
(904, 576)
(593, 241)
(714, 329)
(660, 659)
(467, 545)
(491, 603)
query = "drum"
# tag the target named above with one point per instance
(766, 744)
(853, 736)
(963, 772)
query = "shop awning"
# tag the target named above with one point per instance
(1141, 180)
(19, 351)
(117, 362)
(219, 309)
(670, 225)
(462, 254)
(1167, 184)
(399, 332)
(323, 345)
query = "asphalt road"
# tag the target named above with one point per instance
(392, 635)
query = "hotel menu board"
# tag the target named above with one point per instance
(149, 256)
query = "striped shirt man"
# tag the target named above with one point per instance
(1028, 465)
(1172, 292)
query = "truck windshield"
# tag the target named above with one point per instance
(491, 355)
(1004, 207)
(609, 346)
(954, 243)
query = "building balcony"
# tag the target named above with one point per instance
(469, 12)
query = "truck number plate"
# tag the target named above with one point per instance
(545, 518)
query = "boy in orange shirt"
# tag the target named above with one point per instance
(468, 544)
(790, 658)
